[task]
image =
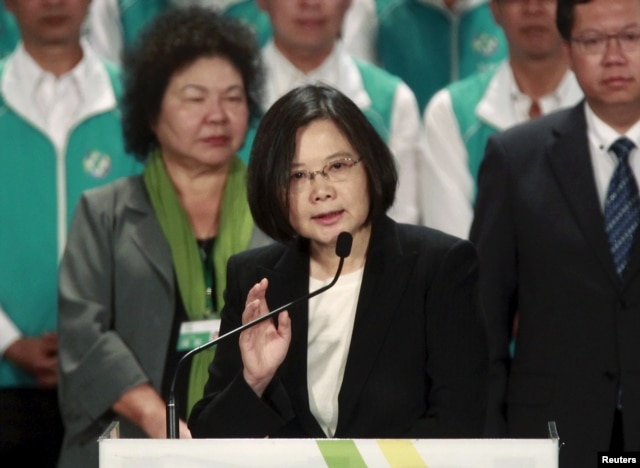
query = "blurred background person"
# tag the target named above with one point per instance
(534, 80)
(148, 254)
(356, 33)
(306, 49)
(396, 349)
(61, 133)
(431, 43)
(114, 24)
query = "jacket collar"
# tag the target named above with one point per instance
(22, 74)
(568, 154)
(147, 234)
(496, 108)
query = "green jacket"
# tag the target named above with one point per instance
(429, 47)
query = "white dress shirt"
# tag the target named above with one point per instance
(601, 136)
(331, 318)
(448, 186)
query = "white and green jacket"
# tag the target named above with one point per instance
(429, 46)
(39, 187)
(458, 121)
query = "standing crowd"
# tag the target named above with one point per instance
(173, 169)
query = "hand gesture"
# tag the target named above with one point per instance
(264, 346)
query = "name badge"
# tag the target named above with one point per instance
(197, 333)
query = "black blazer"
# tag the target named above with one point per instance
(543, 252)
(418, 357)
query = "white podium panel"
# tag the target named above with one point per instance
(332, 453)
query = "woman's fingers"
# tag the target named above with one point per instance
(258, 291)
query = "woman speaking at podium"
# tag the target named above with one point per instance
(396, 348)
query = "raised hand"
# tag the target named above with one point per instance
(264, 346)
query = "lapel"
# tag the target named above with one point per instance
(385, 278)
(147, 234)
(288, 280)
(569, 157)
(387, 269)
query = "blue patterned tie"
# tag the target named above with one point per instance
(622, 206)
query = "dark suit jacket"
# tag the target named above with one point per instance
(543, 252)
(418, 356)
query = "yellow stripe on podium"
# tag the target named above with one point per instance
(401, 453)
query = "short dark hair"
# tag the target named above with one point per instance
(172, 41)
(565, 16)
(274, 149)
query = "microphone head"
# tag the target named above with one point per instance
(343, 244)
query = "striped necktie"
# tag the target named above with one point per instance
(622, 206)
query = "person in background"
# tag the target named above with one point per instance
(357, 26)
(556, 227)
(61, 134)
(145, 261)
(113, 24)
(396, 349)
(431, 43)
(9, 32)
(305, 49)
(534, 80)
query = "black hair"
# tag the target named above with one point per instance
(565, 16)
(274, 149)
(172, 41)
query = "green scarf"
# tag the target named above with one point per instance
(234, 235)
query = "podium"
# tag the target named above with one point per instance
(331, 453)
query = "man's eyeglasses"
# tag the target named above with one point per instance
(597, 43)
(335, 171)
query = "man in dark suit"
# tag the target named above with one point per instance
(556, 226)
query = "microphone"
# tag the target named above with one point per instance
(343, 249)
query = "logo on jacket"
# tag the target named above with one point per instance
(97, 164)
(485, 44)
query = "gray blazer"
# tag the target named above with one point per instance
(116, 305)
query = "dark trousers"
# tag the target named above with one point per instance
(30, 427)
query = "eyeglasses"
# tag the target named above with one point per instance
(596, 43)
(335, 171)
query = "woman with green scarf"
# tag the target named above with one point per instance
(143, 275)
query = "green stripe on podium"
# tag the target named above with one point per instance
(341, 454)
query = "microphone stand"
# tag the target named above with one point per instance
(343, 250)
